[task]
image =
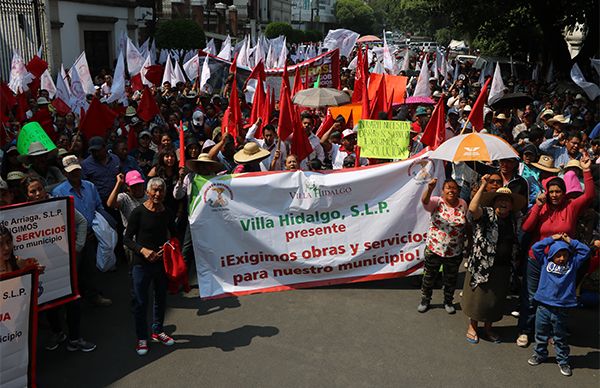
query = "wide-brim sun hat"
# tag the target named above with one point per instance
(250, 153)
(546, 163)
(518, 201)
(203, 163)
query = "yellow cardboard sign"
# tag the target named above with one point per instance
(384, 139)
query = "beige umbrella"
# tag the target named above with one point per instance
(318, 97)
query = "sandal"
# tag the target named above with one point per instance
(472, 338)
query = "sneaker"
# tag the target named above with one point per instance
(535, 360)
(515, 313)
(423, 306)
(163, 338)
(523, 341)
(142, 347)
(565, 369)
(80, 344)
(100, 301)
(450, 308)
(55, 340)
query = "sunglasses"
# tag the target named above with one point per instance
(496, 181)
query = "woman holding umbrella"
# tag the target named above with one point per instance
(489, 265)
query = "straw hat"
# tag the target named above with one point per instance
(35, 149)
(573, 163)
(546, 163)
(203, 164)
(558, 119)
(15, 176)
(250, 153)
(518, 201)
(501, 116)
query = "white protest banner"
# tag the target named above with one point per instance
(262, 232)
(44, 230)
(18, 328)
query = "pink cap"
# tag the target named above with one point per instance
(133, 177)
(572, 182)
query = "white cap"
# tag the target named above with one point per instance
(198, 118)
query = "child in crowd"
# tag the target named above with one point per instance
(555, 295)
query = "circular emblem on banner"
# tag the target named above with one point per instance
(422, 170)
(218, 195)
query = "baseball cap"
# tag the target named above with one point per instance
(133, 177)
(144, 133)
(348, 132)
(421, 111)
(71, 163)
(96, 143)
(207, 144)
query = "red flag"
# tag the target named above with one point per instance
(259, 98)
(298, 86)
(356, 156)
(154, 74)
(301, 146)
(272, 103)
(37, 66)
(378, 104)
(325, 125)
(285, 126)
(148, 108)
(131, 138)
(435, 131)
(258, 72)
(233, 66)
(476, 115)
(136, 82)
(359, 82)
(7, 101)
(232, 118)
(390, 108)
(266, 111)
(97, 120)
(61, 107)
(306, 78)
(181, 145)
(22, 107)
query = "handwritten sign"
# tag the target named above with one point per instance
(384, 139)
(33, 132)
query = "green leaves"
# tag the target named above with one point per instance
(180, 34)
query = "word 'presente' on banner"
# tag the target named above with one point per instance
(18, 328)
(44, 230)
(384, 139)
(263, 232)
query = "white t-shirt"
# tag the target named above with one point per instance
(338, 154)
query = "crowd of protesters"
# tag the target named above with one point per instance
(526, 226)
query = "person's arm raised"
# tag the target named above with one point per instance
(112, 200)
(474, 206)
(425, 198)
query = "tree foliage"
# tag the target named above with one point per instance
(313, 36)
(274, 29)
(180, 34)
(356, 16)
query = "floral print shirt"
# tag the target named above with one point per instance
(446, 234)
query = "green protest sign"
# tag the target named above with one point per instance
(33, 132)
(383, 139)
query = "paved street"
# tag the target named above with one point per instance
(361, 335)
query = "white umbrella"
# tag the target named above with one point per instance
(474, 147)
(318, 97)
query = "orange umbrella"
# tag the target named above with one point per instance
(368, 38)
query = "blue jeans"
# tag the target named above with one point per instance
(142, 275)
(548, 320)
(527, 312)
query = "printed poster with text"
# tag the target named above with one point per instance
(18, 328)
(265, 232)
(44, 230)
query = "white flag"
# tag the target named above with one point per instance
(117, 89)
(77, 100)
(406, 63)
(389, 62)
(153, 51)
(62, 88)
(379, 68)
(497, 89)
(283, 54)
(244, 55)
(192, 67)
(19, 76)
(83, 71)
(591, 89)
(205, 76)
(259, 53)
(163, 56)
(47, 83)
(189, 55)
(178, 73)
(66, 79)
(342, 39)
(422, 89)
(145, 48)
(135, 60)
(210, 47)
(168, 74)
(225, 52)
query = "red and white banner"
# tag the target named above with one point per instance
(45, 230)
(284, 230)
(18, 328)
